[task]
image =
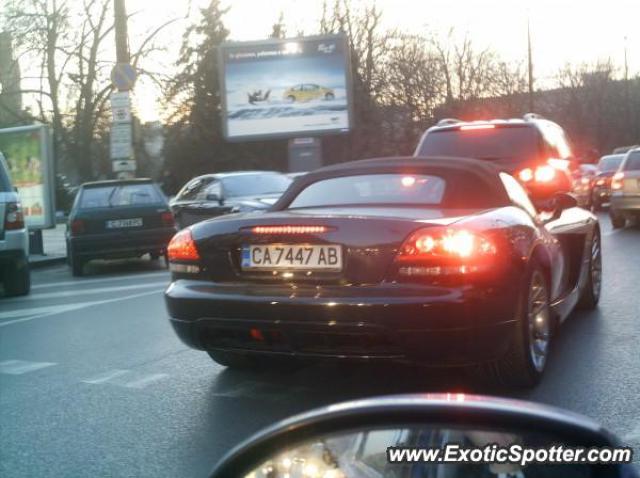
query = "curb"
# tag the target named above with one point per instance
(46, 262)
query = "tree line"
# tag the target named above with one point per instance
(402, 84)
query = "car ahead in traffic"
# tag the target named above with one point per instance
(606, 168)
(118, 219)
(213, 195)
(625, 190)
(435, 261)
(14, 238)
(534, 150)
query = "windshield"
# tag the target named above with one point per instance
(500, 143)
(610, 163)
(255, 184)
(119, 195)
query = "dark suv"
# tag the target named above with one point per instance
(533, 149)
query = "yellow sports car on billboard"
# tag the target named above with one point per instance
(308, 92)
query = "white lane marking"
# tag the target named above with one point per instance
(36, 311)
(126, 379)
(105, 377)
(18, 367)
(80, 282)
(81, 305)
(74, 293)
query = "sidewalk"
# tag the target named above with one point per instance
(55, 251)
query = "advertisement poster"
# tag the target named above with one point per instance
(25, 150)
(286, 88)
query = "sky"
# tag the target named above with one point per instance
(562, 31)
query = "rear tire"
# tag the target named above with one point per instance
(523, 364)
(591, 294)
(617, 221)
(77, 265)
(17, 278)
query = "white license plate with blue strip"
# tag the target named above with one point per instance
(291, 256)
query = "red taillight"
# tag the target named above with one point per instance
(544, 173)
(167, 219)
(432, 243)
(183, 248)
(289, 229)
(445, 252)
(77, 227)
(616, 181)
(13, 218)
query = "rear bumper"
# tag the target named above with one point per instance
(121, 243)
(625, 203)
(419, 324)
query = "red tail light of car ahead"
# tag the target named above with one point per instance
(13, 218)
(441, 251)
(182, 253)
(289, 229)
(616, 181)
(77, 227)
(167, 219)
(544, 173)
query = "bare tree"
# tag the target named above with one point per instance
(71, 80)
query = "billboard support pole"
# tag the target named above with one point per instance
(304, 154)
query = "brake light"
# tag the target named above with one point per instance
(545, 174)
(289, 229)
(77, 227)
(183, 248)
(437, 252)
(471, 127)
(526, 175)
(13, 218)
(562, 164)
(445, 243)
(167, 219)
(616, 181)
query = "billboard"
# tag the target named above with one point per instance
(26, 149)
(285, 88)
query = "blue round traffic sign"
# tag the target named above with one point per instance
(123, 76)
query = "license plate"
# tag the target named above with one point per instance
(122, 223)
(283, 256)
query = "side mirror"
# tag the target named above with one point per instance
(559, 203)
(214, 198)
(341, 439)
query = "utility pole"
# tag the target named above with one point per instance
(530, 58)
(123, 77)
(120, 23)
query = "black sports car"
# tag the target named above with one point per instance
(431, 261)
(213, 195)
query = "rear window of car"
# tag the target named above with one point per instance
(119, 196)
(504, 144)
(633, 162)
(610, 163)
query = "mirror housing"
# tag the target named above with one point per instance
(557, 204)
(446, 410)
(214, 198)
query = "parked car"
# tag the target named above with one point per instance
(384, 259)
(625, 190)
(534, 150)
(118, 219)
(606, 168)
(14, 238)
(213, 195)
(308, 92)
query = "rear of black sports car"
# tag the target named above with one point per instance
(435, 286)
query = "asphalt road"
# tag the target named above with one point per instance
(93, 381)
